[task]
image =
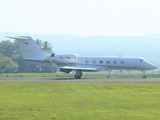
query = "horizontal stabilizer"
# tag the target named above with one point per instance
(19, 37)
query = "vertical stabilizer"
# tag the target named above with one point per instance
(29, 48)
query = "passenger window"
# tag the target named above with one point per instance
(122, 62)
(52, 55)
(108, 62)
(94, 61)
(101, 61)
(114, 62)
(87, 61)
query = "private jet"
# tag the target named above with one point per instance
(68, 63)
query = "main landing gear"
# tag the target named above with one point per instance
(109, 71)
(144, 74)
(78, 74)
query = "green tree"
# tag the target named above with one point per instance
(40, 43)
(46, 46)
(7, 64)
(11, 50)
(7, 48)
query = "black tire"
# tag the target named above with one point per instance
(144, 76)
(77, 76)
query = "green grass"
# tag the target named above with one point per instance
(80, 101)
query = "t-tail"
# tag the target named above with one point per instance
(29, 48)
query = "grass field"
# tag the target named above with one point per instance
(79, 101)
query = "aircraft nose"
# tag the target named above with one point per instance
(153, 66)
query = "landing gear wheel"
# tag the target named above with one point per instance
(144, 76)
(78, 74)
(109, 71)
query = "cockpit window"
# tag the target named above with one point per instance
(52, 54)
(142, 60)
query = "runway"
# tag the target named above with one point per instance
(109, 80)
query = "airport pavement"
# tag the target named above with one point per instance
(119, 80)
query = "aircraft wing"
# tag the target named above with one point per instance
(69, 69)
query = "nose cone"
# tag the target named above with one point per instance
(153, 66)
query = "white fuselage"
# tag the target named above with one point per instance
(108, 62)
(116, 63)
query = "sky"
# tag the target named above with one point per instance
(81, 17)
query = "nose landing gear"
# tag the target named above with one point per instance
(144, 74)
(109, 71)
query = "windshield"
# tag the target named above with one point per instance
(142, 60)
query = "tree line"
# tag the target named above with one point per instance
(11, 58)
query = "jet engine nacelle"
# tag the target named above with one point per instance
(64, 58)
